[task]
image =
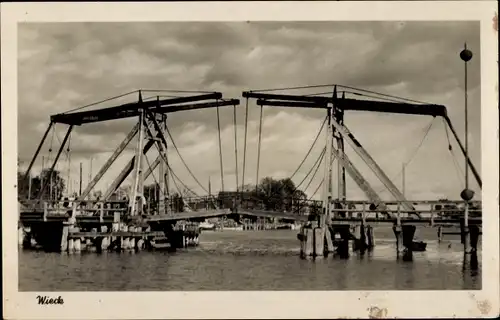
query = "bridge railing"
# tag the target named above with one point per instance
(436, 208)
(426, 209)
(290, 205)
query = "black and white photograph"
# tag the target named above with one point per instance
(251, 156)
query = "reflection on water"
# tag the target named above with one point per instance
(239, 260)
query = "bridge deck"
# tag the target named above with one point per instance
(99, 213)
(38, 217)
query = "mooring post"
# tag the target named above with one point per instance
(64, 236)
(408, 234)
(101, 212)
(362, 237)
(440, 234)
(432, 217)
(45, 211)
(319, 243)
(474, 237)
(343, 249)
(70, 228)
(397, 227)
(115, 227)
(465, 234)
(370, 237)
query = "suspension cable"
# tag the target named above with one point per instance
(317, 189)
(235, 145)
(313, 176)
(220, 148)
(245, 146)
(258, 150)
(102, 101)
(421, 142)
(310, 149)
(382, 94)
(382, 97)
(176, 91)
(295, 88)
(184, 162)
(183, 184)
(159, 96)
(152, 172)
(175, 183)
(410, 159)
(315, 167)
(342, 86)
(316, 163)
(175, 176)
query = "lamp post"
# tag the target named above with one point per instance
(466, 194)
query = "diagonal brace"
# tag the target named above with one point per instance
(359, 179)
(125, 172)
(26, 174)
(51, 172)
(346, 134)
(110, 161)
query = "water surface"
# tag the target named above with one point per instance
(251, 260)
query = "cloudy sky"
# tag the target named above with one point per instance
(65, 66)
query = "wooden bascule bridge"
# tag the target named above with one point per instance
(328, 225)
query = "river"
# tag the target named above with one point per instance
(251, 260)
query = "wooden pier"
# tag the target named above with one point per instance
(343, 226)
(82, 227)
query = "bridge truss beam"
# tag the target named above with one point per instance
(310, 102)
(129, 167)
(130, 110)
(347, 104)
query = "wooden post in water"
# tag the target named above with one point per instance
(474, 237)
(397, 229)
(370, 238)
(45, 211)
(64, 237)
(408, 232)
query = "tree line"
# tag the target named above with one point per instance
(274, 194)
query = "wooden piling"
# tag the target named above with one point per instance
(104, 243)
(64, 238)
(45, 211)
(319, 241)
(27, 240)
(464, 235)
(309, 245)
(77, 245)
(474, 237)
(140, 244)
(362, 239)
(328, 240)
(356, 243)
(20, 235)
(125, 243)
(343, 247)
(369, 237)
(397, 233)
(408, 234)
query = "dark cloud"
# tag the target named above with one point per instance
(62, 66)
